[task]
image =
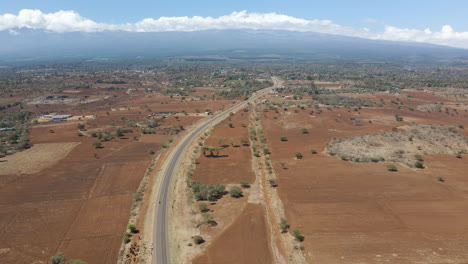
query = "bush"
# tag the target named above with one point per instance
(272, 182)
(235, 192)
(256, 154)
(245, 184)
(283, 138)
(419, 164)
(126, 237)
(208, 192)
(132, 228)
(298, 155)
(202, 206)
(151, 151)
(97, 144)
(441, 179)
(392, 167)
(297, 235)
(284, 226)
(305, 131)
(58, 258)
(198, 240)
(313, 151)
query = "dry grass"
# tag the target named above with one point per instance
(400, 146)
(35, 159)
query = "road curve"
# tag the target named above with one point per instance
(161, 245)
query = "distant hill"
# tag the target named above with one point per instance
(33, 45)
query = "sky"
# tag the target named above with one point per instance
(430, 21)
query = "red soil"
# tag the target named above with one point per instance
(234, 163)
(80, 206)
(245, 241)
(361, 212)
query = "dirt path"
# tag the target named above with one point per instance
(285, 250)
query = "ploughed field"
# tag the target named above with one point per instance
(65, 195)
(360, 212)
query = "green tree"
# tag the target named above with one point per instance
(235, 192)
(232, 140)
(419, 164)
(220, 140)
(244, 142)
(198, 240)
(202, 206)
(97, 144)
(272, 182)
(132, 228)
(245, 184)
(118, 132)
(58, 258)
(284, 226)
(297, 235)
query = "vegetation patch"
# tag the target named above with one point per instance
(407, 146)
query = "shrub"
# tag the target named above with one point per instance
(58, 258)
(298, 155)
(245, 184)
(151, 151)
(126, 237)
(235, 192)
(202, 206)
(419, 164)
(198, 240)
(97, 144)
(297, 235)
(132, 228)
(392, 167)
(313, 151)
(272, 182)
(230, 125)
(441, 179)
(283, 138)
(284, 226)
(209, 192)
(244, 142)
(305, 131)
(398, 118)
(256, 154)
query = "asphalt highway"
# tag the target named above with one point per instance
(161, 245)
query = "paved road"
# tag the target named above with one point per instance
(161, 245)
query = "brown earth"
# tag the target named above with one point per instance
(245, 241)
(234, 162)
(362, 213)
(80, 205)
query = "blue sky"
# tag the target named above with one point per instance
(429, 21)
(404, 14)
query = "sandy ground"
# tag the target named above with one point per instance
(35, 159)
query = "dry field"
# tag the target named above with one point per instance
(35, 159)
(241, 234)
(361, 212)
(64, 195)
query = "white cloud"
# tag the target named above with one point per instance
(68, 21)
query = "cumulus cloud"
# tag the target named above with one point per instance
(69, 21)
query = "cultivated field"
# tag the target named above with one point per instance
(362, 212)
